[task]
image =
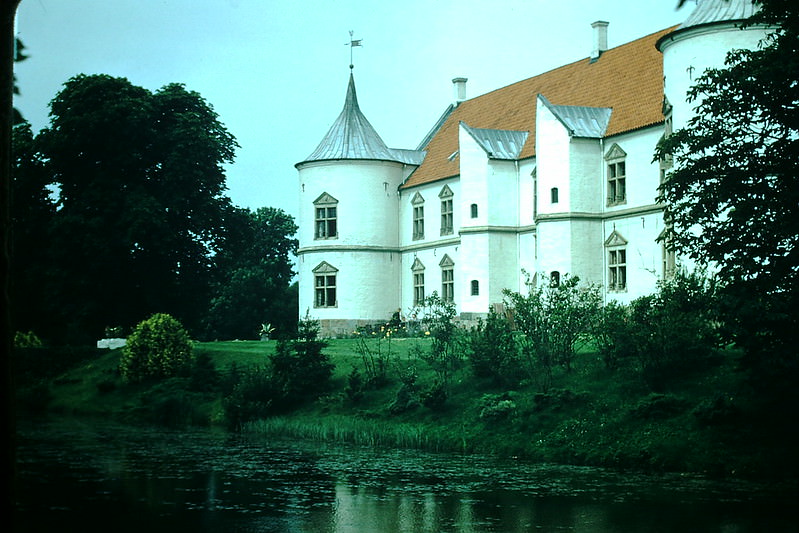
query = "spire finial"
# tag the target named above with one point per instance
(352, 44)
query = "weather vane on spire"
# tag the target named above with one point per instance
(352, 44)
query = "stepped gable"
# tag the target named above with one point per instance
(628, 79)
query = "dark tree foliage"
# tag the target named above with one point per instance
(254, 275)
(32, 210)
(141, 203)
(736, 181)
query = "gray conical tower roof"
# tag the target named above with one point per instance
(351, 136)
(712, 11)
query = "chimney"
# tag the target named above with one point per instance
(459, 86)
(600, 39)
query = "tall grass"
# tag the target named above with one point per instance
(362, 432)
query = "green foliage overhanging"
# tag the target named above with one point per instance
(733, 195)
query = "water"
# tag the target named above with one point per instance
(80, 476)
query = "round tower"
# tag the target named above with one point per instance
(348, 257)
(699, 43)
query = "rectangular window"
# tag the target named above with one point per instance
(448, 284)
(617, 183)
(669, 260)
(418, 288)
(418, 222)
(617, 270)
(446, 217)
(325, 223)
(325, 290)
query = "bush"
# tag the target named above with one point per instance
(158, 348)
(27, 340)
(493, 352)
(251, 398)
(300, 370)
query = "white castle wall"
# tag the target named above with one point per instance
(689, 53)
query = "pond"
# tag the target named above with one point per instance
(88, 476)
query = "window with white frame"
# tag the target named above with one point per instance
(418, 216)
(447, 279)
(616, 246)
(446, 210)
(617, 175)
(418, 282)
(326, 217)
(325, 285)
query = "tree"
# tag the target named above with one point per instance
(141, 201)
(253, 275)
(733, 196)
(32, 213)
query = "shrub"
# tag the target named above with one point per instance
(159, 347)
(496, 406)
(204, 376)
(300, 370)
(251, 398)
(493, 352)
(27, 340)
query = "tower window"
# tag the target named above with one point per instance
(326, 217)
(325, 285)
(474, 210)
(553, 193)
(475, 288)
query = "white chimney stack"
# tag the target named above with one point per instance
(459, 86)
(600, 39)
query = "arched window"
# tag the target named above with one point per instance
(554, 278)
(475, 288)
(474, 210)
(553, 193)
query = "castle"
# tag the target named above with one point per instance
(549, 176)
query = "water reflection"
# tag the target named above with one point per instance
(76, 476)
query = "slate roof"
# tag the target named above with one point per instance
(499, 144)
(712, 11)
(586, 122)
(627, 79)
(352, 137)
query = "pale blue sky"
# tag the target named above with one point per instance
(276, 71)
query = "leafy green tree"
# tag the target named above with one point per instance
(733, 195)
(159, 347)
(253, 275)
(141, 201)
(444, 355)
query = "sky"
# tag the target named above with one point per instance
(276, 71)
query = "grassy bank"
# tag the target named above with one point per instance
(710, 420)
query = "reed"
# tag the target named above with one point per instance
(359, 431)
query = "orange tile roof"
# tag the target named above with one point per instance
(628, 79)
